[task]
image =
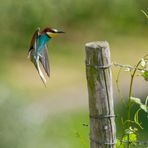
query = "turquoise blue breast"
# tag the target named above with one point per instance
(41, 41)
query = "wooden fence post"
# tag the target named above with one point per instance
(99, 81)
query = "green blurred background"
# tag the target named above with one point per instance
(32, 116)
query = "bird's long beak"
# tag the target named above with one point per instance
(54, 34)
(60, 32)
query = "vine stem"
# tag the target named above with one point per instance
(130, 95)
(130, 90)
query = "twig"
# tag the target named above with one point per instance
(130, 67)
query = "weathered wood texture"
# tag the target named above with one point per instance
(99, 81)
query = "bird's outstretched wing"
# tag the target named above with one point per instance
(45, 61)
(33, 41)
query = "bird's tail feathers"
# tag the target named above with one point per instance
(41, 76)
(40, 73)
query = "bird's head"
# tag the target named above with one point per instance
(51, 32)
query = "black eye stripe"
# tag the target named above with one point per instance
(52, 31)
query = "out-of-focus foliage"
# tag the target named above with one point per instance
(19, 18)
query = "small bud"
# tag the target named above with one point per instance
(143, 63)
(127, 69)
(142, 71)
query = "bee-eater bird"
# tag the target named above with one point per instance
(38, 50)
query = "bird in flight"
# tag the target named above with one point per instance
(38, 51)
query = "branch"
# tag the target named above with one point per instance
(130, 67)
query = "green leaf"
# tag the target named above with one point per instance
(136, 118)
(133, 137)
(146, 101)
(119, 144)
(125, 138)
(136, 100)
(144, 13)
(145, 75)
(144, 107)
